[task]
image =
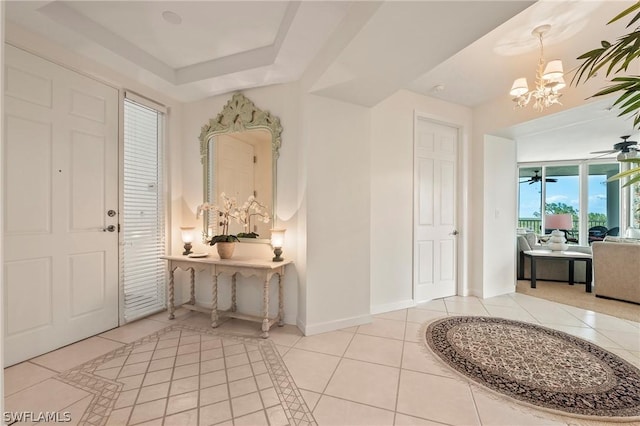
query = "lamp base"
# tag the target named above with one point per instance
(277, 251)
(187, 249)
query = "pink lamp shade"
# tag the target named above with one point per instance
(558, 221)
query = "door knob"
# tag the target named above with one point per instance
(455, 232)
(111, 213)
(110, 228)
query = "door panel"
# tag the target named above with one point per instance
(435, 258)
(61, 165)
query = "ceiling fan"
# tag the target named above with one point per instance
(537, 178)
(625, 149)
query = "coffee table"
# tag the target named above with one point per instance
(570, 256)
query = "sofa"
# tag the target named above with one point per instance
(549, 269)
(616, 269)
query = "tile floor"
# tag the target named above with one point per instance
(375, 374)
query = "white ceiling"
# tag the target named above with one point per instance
(357, 51)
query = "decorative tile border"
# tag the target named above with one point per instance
(106, 391)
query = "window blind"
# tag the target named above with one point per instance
(143, 216)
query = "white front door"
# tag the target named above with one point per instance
(435, 255)
(61, 179)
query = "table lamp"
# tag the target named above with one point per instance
(277, 242)
(187, 233)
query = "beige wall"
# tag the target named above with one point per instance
(392, 124)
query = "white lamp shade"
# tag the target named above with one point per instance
(520, 87)
(277, 237)
(188, 234)
(560, 84)
(558, 221)
(553, 70)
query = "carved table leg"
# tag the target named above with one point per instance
(265, 308)
(192, 300)
(214, 302)
(172, 308)
(280, 302)
(234, 306)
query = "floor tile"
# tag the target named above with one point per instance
(412, 332)
(384, 328)
(133, 331)
(417, 357)
(498, 411)
(69, 356)
(334, 411)
(311, 398)
(465, 308)
(48, 395)
(23, 375)
(627, 340)
(378, 350)
(510, 312)
(186, 384)
(607, 322)
(436, 398)
(366, 383)
(332, 343)
(246, 404)
(404, 420)
(215, 413)
(186, 418)
(75, 411)
(254, 419)
(400, 315)
(504, 300)
(277, 416)
(287, 335)
(182, 402)
(313, 379)
(153, 392)
(358, 376)
(423, 315)
(433, 305)
(148, 411)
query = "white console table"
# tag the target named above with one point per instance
(263, 269)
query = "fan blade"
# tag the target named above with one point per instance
(551, 180)
(609, 151)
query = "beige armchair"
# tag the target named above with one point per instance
(616, 270)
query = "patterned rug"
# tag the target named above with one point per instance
(190, 376)
(538, 366)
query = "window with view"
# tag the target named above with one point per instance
(570, 189)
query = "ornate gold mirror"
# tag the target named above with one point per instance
(239, 151)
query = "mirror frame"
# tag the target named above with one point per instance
(238, 115)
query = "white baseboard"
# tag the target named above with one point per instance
(324, 327)
(388, 307)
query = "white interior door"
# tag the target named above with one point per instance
(435, 252)
(61, 179)
(235, 171)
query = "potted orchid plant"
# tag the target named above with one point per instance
(252, 208)
(226, 211)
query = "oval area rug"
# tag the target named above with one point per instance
(538, 366)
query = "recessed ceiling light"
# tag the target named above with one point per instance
(171, 17)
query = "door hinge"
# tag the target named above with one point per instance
(118, 227)
(255, 159)
(255, 193)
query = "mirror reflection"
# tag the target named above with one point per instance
(239, 150)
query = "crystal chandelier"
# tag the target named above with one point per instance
(549, 81)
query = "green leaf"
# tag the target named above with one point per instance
(625, 13)
(605, 44)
